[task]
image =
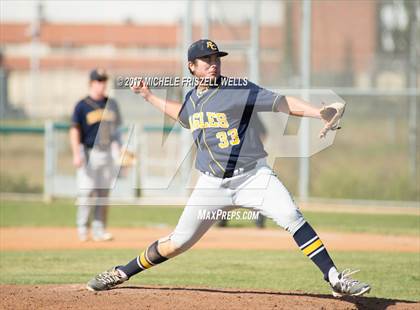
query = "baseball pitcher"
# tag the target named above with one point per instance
(234, 172)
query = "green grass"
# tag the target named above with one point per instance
(391, 274)
(62, 213)
(368, 160)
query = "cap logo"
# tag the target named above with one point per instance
(211, 45)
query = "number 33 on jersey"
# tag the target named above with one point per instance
(215, 120)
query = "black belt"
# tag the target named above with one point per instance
(234, 172)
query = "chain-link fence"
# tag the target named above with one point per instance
(365, 51)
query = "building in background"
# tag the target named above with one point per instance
(48, 62)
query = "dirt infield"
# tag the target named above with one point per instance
(149, 297)
(217, 238)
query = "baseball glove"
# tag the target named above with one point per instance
(332, 115)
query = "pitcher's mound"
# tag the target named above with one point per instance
(75, 296)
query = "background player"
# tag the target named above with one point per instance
(93, 135)
(233, 168)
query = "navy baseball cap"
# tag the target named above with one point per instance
(98, 74)
(203, 48)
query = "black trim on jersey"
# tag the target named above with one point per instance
(243, 126)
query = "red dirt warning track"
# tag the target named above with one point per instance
(228, 238)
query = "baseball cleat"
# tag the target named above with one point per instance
(106, 280)
(104, 237)
(347, 286)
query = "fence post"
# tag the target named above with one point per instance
(48, 160)
(185, 135)
(412, 84)
(135, 184)
(305, 71)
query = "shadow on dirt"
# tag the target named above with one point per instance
(359, 302)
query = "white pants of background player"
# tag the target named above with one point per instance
(258, 189)
(94, 179)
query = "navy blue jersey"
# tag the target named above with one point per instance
(98, 121)
(258, 124)
(224, 126)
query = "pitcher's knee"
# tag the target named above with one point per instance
(291, 221)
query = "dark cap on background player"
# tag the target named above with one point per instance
(98, 74)
(203, 48)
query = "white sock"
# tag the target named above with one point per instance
(333, 276)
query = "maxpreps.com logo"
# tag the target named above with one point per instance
(211, 45)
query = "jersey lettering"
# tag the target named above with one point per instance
(202, 120)
(98, 115)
